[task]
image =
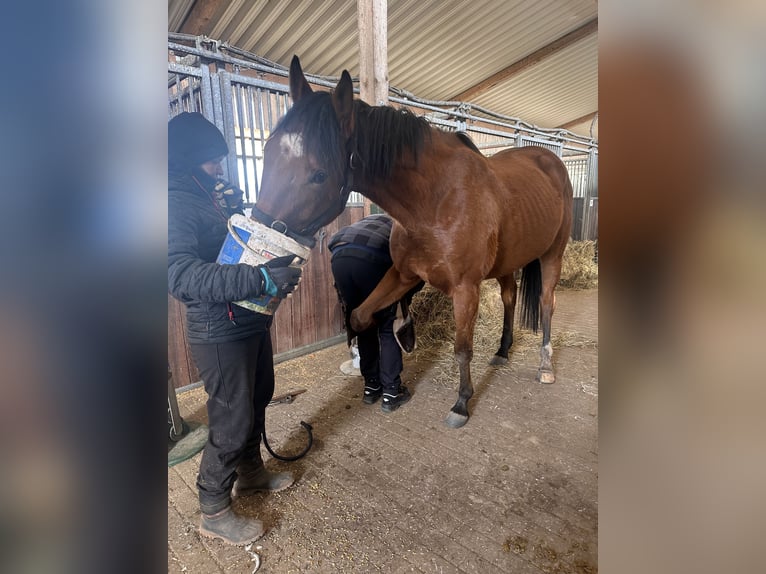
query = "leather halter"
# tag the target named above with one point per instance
(281, 227)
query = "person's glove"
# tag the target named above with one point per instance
(228, 196)
(279, 280)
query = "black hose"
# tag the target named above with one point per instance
(308, 428)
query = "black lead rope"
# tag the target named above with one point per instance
(308, 429)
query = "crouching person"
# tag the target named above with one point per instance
(231, 345)
(360, 258)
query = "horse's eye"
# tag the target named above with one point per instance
(318, 177)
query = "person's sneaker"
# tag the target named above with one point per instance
(231, 528)
(392, 402)
(372, 393)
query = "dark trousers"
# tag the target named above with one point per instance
(380, 358)
(239, 380)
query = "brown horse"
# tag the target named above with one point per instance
(460, 217)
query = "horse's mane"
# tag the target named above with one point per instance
(387, 135)
(383, 135)
(465, 138)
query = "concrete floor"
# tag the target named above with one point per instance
(513, 491)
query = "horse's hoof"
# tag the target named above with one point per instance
(546, 377)
(455, 420)
(498, 361)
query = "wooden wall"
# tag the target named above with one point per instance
(310, 316)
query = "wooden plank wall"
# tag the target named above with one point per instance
(310, 316)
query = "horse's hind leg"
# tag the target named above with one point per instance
(508, 296)
(465, 300)
(551, 272)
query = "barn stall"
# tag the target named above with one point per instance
(515, 490)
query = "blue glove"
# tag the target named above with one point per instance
(279, 280)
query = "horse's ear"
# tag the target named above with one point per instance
(299, 87)
(343, 102)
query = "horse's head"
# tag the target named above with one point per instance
(307, 156)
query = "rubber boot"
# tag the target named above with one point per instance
(231, 528)
(257, 478)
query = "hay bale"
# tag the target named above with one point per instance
(432, 312)
(579, 269)
(435, 324)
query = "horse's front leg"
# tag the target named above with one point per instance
(465, 301)
(390, 289)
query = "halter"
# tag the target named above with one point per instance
(309, 241)
(281, 227)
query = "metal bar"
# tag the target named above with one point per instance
(206, 89)
(516, 124)
(237, 89)
(503, 121)
(251, 120)
(198, 94)
(215, 114)
(260, 83)
(590, 182)
(276, 70)
(268, 111)
(179, 92)
(263, 135)
(493, 145)
(170, 99)
(232, 174)
(183, 69)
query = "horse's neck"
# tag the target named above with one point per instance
(396, 198)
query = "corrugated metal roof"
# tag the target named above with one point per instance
(555, 91)
(177, 11)
(436, 48)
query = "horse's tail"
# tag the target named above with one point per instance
(531, 287)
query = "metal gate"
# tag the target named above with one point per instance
(245, 96)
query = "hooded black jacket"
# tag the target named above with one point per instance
(196, 232)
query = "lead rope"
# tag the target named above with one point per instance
(308, 428)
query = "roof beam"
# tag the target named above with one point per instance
(200, 20)
(546, 51)
(577, 121)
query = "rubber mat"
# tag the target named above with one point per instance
(188, 445)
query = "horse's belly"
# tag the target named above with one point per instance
(514, 253)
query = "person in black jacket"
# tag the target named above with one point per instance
(360, 258)
(231, 345)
